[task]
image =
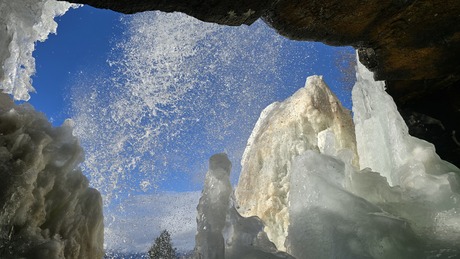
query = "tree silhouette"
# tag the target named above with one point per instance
(162, 248)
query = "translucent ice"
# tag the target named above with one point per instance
(327, 221)
(413, 182)
(222, 231)
(212, 208)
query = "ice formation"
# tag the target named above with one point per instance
(212, 208)
(326, 220)
(48, 210)
(222, 231)
(413, 182)
(22, 23)
(301, 175)
(312, 119)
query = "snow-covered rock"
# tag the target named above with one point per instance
(311, 119)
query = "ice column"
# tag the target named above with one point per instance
(421, 187)
(212, 209)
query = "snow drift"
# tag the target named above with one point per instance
(48, 210)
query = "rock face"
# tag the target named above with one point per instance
(312, 119)
(48, 210)
(233, 12)
(413, 45)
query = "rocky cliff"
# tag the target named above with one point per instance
(413, 45)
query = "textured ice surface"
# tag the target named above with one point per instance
(222, 231)
(22, 24)
(48, 210)
(414, 183)
(311, 119)
(327, 221)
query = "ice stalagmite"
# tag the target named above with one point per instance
(212, 208)
(311, 119)
(48, 210)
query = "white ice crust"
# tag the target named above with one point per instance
(22, 24)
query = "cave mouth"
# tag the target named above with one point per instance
(147, 147)
(153, 100)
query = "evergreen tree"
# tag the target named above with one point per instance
(162, 248)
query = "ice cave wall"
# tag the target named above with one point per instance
(48, 210)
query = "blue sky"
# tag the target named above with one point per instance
(155, 95)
